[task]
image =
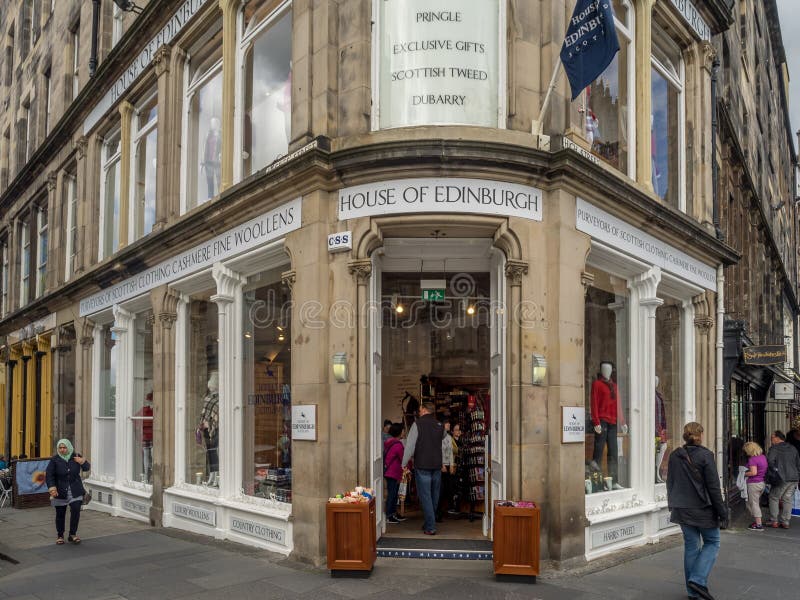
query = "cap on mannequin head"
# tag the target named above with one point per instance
(605, 369)
(213, 381)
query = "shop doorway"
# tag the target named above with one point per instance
(437, 334)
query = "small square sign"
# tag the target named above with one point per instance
(304, 422)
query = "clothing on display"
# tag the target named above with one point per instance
(607, 421)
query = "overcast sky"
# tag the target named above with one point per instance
(790, 22)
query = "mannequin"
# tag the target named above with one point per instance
(145, 434)
(661, 432)
(212, 156)
(209, 425)
(606, 416)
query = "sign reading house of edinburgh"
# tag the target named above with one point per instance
(764, 355)
(258, 530)
(618, 533)
(439, 62)
(573, 424)
(627, 238)
(693, 18)
(170, 29)
(252, 234)
(442, 195)
(195, 513)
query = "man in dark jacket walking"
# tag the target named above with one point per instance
(424, 445)
(784, 458)
(695, 499)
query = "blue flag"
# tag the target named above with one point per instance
(590, 44)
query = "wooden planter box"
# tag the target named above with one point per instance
(516, 541)
(352, 539)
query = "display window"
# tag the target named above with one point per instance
(202, 393)
(266, 390)
(606, 371)
(668, 425)
(141, 405)
(106, 346)
(267, 47)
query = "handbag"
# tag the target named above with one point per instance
(773, 477)
(87, 497)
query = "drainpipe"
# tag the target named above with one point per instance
(720, 389)
(714, 167)
(95, 35)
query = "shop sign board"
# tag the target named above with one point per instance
(247, 236)
(784, 391)
(764, 355)
(625, 237)
(304, 422)
(440, 195)
(618, 533)
(439, 62)
(693, 17)
(195, 513)
(573, 424)
(254, 529)
(340, 242)
(135, 507)
(166, 34)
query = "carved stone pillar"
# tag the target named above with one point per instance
(83, 386)
(123, 324)
(167, 127)
(230, 10)
(703, 323)
(126, 110)
(170, 161)
(82, 251)
(515, 271)
(644, 104)
(361, 270)
(55, 259)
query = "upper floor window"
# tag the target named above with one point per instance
(110, 195)
(75, 47)
(4, 278)
(48, 95)
(23, 135)
(203, 124)
(117, 28)
(9, 61)
(41, 250)
(145, 143)
(24, 262)
(606, 104)
(27, 26)
(667, 120)
(71, 221)
(5, 166)
(267, 49)
(37, 19)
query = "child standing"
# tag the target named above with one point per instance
(756, 468)
(393, 471)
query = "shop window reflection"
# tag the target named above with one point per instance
(267, 400)
(668, 397)
(104, 461)
(142, 399)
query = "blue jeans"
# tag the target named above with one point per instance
(428, 483)
(392, 485)
(697, 560)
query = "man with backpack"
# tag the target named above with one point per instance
(783, 461)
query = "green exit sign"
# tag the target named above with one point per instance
(433, 295)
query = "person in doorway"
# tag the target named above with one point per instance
(393, 471)
(448, 471)
(605, 418)
(64, 483)
(385, 435)
(459, 478)
(3, 463)
(784, 458)
(424, 446)
(756, 469)
(695, 501)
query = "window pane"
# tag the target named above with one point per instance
(668, 417)
(606, 383)
(145, 185)
(104, 460)
(205, 142)
(268, 97)
(111, 210)
(202, 390)
(665, 148)
(142, 399)
(267, 414)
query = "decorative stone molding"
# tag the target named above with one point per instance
(361, 270)
(515, 270)
(228, 282)
(709, 54)
(161, 60)
(646, 284)
(52, 179)
(87, 333)
(587, 281)
(608, 507)
(122, 319)
(80, 147)
(288, 278)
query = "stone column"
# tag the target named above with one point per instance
(230, 37)
(515, 271)
(83, 384)
(704, 372)
(229, 302)
(83, 256)
(642, 378)
(126, 110)
(361, 270)
(123, 323)
(165, 308)
(167, 128)
(644, 104)
(56, 247)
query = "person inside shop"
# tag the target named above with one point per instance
(424, 446)
(386, 435)
(209, 426)
(212, 157)
(448, 471)
(661, 433)
(606, 415)
(3, 462)
(393, 471)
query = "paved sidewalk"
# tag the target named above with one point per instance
(121, 559)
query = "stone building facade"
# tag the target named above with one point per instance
(228, 366)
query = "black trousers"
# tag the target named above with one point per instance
(607, 437)
(446, 495)
(74, 517)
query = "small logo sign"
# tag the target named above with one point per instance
(340, 242)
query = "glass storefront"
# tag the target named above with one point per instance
(141, 405)
(106, 345)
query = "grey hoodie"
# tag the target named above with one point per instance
(784, 457)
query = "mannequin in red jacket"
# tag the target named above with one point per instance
(606, 417)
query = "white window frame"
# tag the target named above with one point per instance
(502, 70)
(245, 40)
(24, 278)
(139, 136)
(678, 81)
(75, 35)
(191, 88)
(42, 227)
(71, 186)
(628, 32)
(4, 281)
(117, 25)
(105, 165)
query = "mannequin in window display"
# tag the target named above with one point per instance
(145, 435)
(212, 157)
(209, 426)
(661, 435)
(606, 416)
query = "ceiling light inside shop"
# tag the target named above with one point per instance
(281, 337)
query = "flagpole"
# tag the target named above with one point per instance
(550, 88)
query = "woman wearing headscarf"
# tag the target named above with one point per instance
(66, 488)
